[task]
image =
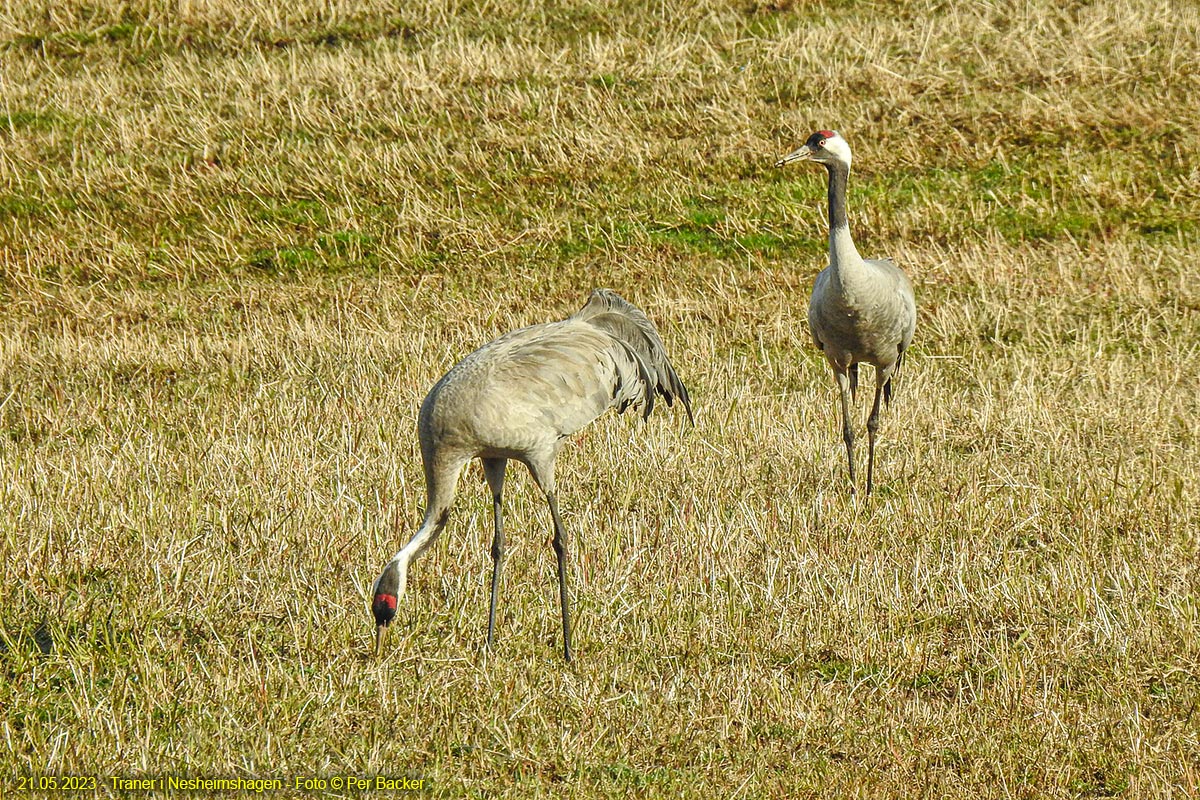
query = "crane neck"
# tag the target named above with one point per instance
(842, 252)
(839, 176)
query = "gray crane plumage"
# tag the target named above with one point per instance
(861, 311)
(519, 397)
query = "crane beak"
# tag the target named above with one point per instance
(804, 152)
(380, 630)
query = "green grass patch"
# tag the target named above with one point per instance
(28, 120)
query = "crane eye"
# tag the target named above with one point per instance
(821, 143)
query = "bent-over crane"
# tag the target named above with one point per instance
(519, 397)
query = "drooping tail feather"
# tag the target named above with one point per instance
(887, 387)
(609, 311)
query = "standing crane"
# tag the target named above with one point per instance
(861, 311)
(520, 396)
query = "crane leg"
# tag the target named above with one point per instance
(493, 470)
(560, 549)
(872, 427)
(844, 386)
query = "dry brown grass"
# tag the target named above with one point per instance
(239, 242)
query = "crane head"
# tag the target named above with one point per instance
(824, 147)
(384, 596)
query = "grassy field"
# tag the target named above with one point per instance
(240, 241)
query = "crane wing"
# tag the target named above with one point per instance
(611, 313)
(556, 378)
(526, 390)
